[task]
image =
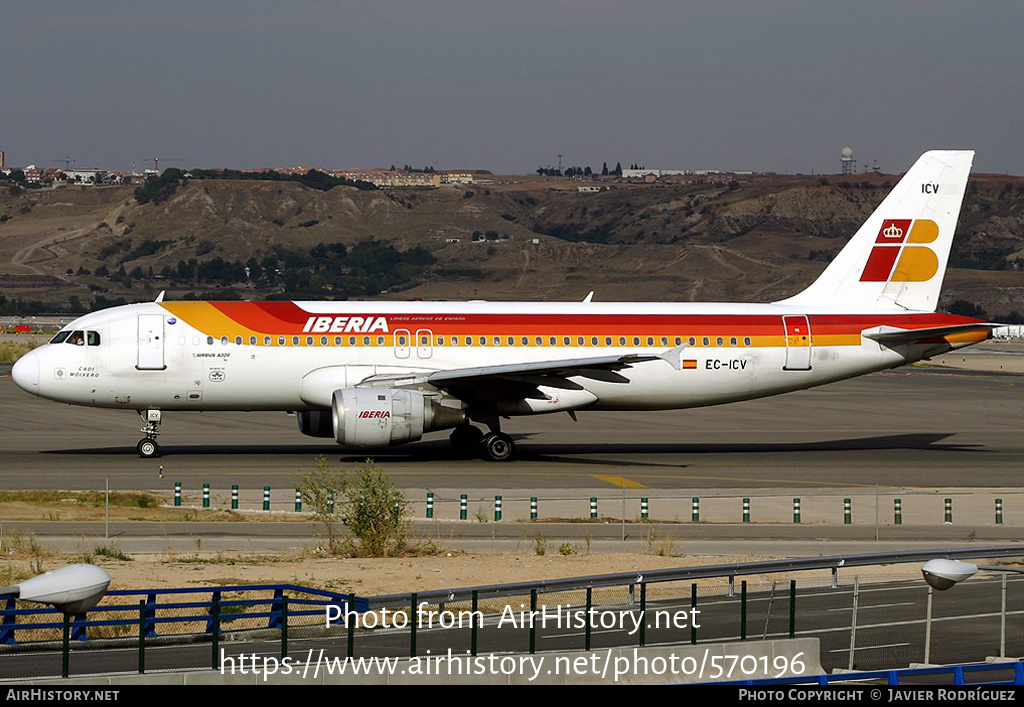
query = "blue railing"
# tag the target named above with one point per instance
(302, 603)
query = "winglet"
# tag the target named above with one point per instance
(160, 297)
(589, 297)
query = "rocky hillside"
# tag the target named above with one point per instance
(528, 239)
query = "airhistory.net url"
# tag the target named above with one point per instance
(708, 666)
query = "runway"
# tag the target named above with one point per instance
(912, 427)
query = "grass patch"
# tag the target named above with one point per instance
(11, 351)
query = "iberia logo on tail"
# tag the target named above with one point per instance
(899, 253)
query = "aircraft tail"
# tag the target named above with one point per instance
(897, 259)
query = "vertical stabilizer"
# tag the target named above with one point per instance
(898, 257)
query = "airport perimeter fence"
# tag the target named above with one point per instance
(860, 625)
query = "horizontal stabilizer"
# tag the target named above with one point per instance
(893, 336)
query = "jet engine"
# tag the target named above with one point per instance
(381, 417)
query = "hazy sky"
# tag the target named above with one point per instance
(728, 84)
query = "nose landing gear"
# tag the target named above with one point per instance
(147, 447)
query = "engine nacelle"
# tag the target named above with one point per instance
(316, 423)
(381, 417)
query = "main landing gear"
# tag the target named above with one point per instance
(147, 447)
(469, 441)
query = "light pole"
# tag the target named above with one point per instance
(942, 574)
(71, 590)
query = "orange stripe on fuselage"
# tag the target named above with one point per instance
(246, 319)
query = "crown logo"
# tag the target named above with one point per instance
(893, 232)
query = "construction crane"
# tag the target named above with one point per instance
(67, 162)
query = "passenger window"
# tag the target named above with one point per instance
(720, 341)
(323, 341)
(266, 341)
(746, 341)
(539, 341)
(337, 341)
(607, 341)
(483, 341)
(280, 341)
(380, 341)
(664, 341)
(650, 341)
(455, 341)
(295, 341)
(579, 341)
(566, 340)
(732, 341)
(693, 341)
(238, 341)
(622, 341)
(224, 340)
(553, 341)
(706, 341)
(366, 341)
(440, 341)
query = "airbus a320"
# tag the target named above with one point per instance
(375, 374)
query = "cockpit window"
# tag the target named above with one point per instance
(92, 338)
(76, 338)
(59, 339)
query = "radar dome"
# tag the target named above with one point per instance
(846, 153)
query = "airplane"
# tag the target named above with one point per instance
(375, 374)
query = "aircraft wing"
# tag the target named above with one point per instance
(894, 336)
(523, 379)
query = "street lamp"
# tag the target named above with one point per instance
(71, 590)
(942, 574)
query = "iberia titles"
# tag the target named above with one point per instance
(339, 325)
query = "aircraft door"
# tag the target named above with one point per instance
(424, 343)
(151, 343)
(402, 343)
(798, 343)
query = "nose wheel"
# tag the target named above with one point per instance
(147, 446)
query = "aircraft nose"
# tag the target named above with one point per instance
(26, 373)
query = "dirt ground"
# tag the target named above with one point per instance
(376, 576)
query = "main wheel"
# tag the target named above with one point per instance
(465, 440)
(498, 447)
(148, 448)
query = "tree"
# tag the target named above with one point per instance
(368, 503)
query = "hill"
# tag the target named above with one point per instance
(518, 238)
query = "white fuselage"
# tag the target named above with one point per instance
(732, 352)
